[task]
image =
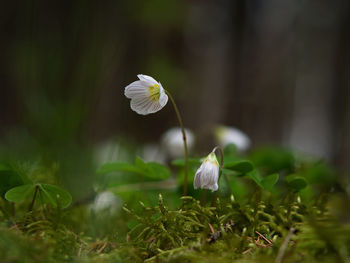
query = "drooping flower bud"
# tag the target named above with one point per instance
(207, 174)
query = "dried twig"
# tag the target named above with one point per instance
(79, 251)
(211, 228)
(284, 245)
(102, 248)
(246, 251)
(262, 236)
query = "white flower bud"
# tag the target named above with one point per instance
(207, 174)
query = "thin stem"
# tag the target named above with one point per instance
(13, 209)
(221, 155)
(184, 139)
(284, 246)
(213, 203)
(34, 197)
(42, 204)
(204, 197)
(222, 163)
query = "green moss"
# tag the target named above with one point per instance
(251, 231)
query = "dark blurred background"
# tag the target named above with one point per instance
(278, 70)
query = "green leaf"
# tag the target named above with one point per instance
(20, 193)
(151, 170)
(241, 166)
(230, 150)
(273, 159)
(55, 195)
(318, 173)
(181, 162)
(9, 178)
(256, 177)
(118, 167)
(228, 172)
(139, 163)
(296, 183)
(269, 181)
(239, 187)
(47, 194)
(158, 171)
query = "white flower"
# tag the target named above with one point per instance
(109, 151)
(207, 174)
(146, 94)
(106, 201)
(226, 135)
(152, 152)
(173, 142)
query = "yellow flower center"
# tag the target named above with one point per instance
(154, 92)
(212, 158)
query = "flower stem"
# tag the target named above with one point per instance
(221, 155)
(221, 166)
(13, 210)
(34, 197)
(204, 197)
(184, 139)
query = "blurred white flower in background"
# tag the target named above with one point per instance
(173, 143)
(146, 94)
(225, 135)
(207, 174)
(109, 151)
(106, 201)
(152, 152)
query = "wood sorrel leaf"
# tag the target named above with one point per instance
(20, 193)
(55, 195)
(158, 171)
(269, 181)
(47, 193)
(150, 170)
(118, 167)
(295, 182)
(10, 177)
(241, 166)
(181, 162)
(256, 177)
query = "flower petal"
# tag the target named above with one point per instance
(140, 105)
(147, 79)
(163, 98)
(214, 187)
(207, 175)
(205, 179)
(147, 95)
(152, 107)
(144, 105)
(197, 179)
(136, 89)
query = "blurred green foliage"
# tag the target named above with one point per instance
(261, 203)
(62, 71)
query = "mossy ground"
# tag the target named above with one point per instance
(260, 229)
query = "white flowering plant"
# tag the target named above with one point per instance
(263, 202)
(148, 96)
